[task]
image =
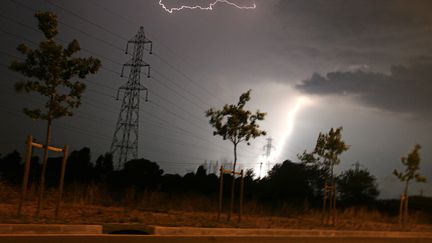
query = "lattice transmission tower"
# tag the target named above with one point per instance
(268, 149)
(124, 145)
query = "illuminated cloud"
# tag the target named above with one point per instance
(405, 90)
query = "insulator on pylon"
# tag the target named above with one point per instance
(124, 145)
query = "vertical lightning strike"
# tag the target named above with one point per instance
(283, 137)
(210, 7)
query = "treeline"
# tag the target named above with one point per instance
(296, 185)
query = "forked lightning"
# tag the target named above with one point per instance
(209, 7)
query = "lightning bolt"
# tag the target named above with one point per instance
(284, 136)
(210, 7)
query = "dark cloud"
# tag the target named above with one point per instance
(350, 18)
(354, 32)
(407, 89)
(347, 34)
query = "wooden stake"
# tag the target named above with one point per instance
(220, 191)
(61, 183)
(241, 196)
(26, 173)
(334, 204)
(401, 209)
(324, 209)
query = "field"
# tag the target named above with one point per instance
(154, 209)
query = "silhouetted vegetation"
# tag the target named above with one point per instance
(236, 124)
(289, 187)
(357, 187)
(411, 172)
(53, 72)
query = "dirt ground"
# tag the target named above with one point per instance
(84, 214)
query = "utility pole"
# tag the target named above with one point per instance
(124, 145)
(268, 148)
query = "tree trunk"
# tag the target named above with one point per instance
(44, 165)
(233, 183)
(405, 205)
(332, 199)
(406, 188)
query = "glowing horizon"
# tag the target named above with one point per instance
(209, 8)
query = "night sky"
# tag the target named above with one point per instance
(365, 65)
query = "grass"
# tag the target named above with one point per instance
(187, 210)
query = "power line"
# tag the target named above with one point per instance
(180, 87)
(110, 87)
(175, 68)
(162, 44)
(71, 128)
(86, 20)
(124, 144)
(73, 28)
(161, 97)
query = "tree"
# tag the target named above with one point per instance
(50, 70)
(10, 167)
(237, 125)
(79, 167)
(412, 167)
(289, 180)
(326, 154)
(141, 173)
(324, 158)
(357, 187)
(103, 166)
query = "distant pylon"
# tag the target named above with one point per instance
(124, 145)
(268, 148)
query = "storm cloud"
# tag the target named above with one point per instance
(406, 89)
(376, 20)
(348, 32)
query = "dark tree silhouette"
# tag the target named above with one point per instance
(51, 69)
(11, 168)
(412, 168)
(289, 181)
(104, 165)
(357, 187)
(326, 155)
(237, 125)
(324, 158)
(142, 173)
(79, 167)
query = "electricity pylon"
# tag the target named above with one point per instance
(124, 145)
(267, 148)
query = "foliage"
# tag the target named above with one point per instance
(50, 69)
(289, 181)
(11, 168)
(326, 155)
(412, 167)
(235, 123)
(103, 166)
(79, 167)
(357, 187)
